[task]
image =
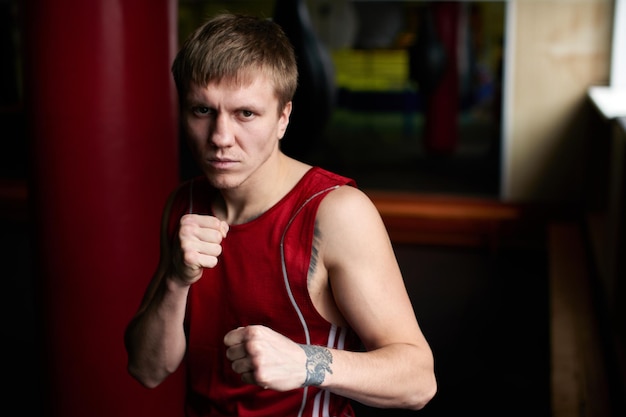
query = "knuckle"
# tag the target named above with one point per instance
(189, 257)
(186, 230)
(211, 262)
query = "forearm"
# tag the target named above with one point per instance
(395, 376)
(155, 338)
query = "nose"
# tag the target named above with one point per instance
(222, 134)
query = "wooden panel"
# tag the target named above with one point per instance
(560, 48)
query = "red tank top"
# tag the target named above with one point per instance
(261, 278)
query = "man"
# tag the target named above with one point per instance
(277, 287)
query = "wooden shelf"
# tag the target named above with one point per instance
(450, 220)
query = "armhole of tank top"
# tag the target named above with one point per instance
(284, 262)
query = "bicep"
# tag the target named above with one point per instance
(365, 277)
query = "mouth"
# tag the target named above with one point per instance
(221, 163)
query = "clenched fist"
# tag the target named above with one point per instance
(266, 358)
(200, 244)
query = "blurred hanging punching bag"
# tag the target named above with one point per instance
(314, 99)
(102, 121)
(433, 65)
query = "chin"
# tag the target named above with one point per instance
(223, 182)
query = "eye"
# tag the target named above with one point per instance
(200, 110)
(246, 114)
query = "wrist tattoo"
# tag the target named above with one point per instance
(318, 360)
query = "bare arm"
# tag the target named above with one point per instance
(397, 369)
(155, 337)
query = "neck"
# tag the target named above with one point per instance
(250, 200)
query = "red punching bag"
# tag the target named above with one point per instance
(101, 110)
(433, 65)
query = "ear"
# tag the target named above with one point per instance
(283, 119)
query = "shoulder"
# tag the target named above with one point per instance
(347, 214)
(179, 197)
(345, 202)
(182, 200)
(353, 242)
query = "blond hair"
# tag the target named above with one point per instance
(236, 48)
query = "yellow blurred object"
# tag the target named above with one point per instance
(371, 70)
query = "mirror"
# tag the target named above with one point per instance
(417, 91)
(418, 98)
